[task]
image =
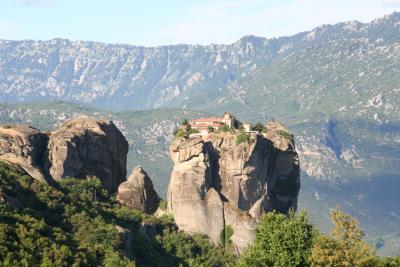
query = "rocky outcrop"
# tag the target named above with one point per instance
(85, 147)
(217, 182)
(81, 148)
(24, 146)
(138, 192)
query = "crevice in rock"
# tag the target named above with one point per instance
(241, 176)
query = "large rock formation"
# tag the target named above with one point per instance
(81, 148)
(138, 192)
(85, 147)
(217, 182)
(284, 184)
(24, 146)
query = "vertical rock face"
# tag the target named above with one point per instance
(85, 147)
(284, 183)
(217, 182)
(138, 192)
(81, 148)
(24, 146)
(190, 193)
(240, 170)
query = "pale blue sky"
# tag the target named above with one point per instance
(157, 22)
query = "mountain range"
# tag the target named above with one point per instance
(337, 87)
(134, 77)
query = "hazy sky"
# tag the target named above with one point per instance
(158, 22)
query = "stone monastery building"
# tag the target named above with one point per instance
(202, 124)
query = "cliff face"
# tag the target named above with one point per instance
(87, 147)
(216, 182)
(24, 146)
(82, 147)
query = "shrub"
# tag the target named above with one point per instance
(115, 259)
(225, 236)
(389, 261)
(210, 129)
(242, 138)
(224, 128)
(185, 122)
(285, 134)
(259, 127)
(193, 251)
(64, 226)
(180, 133)
(192, 131)
(163, 204)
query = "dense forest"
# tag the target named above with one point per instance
(78, 223)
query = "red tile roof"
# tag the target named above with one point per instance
(212, 119)
(206, 125)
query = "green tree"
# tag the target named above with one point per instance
(285, 134)
(345, 246)
(242, 137)
(114, 259)
(389, 261)
(280, 241)
(180, 133)
(190, 130)
(185, 122)
(64, 226)
(224, 128)
(259, 127)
